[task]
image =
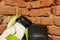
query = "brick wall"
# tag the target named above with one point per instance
(45, 12)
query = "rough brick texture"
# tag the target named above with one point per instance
(56, 10)
(46, 21)
(7, 10)
(45, 12)
(40, 12)
(23, 11)
(54, 30)
(56, 21)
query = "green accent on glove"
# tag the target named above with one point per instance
(26, 33)
(13, 24)
(11, 37)
(12, 18)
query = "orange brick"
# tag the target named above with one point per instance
(56, 10)
(28, 5)
(7, 10)
(46, 2)
(54, 30)
(41, 3)
(46, 21)
(56, 21)
(23, 11)
(10, 2)
(35, 20)
(40, 12)
(1, 4)
(21, 3)
(35, 4)
(55, 37)
(50, 29)
(2, 28)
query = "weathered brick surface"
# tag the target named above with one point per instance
(35, 4)
(40, 12)
(56, 10)
(23, 11)
(54, 30)
(7, 10)
(46, 21)
(28, 5)
(35, 20)
(46, 2)
(10, 2)
(41, 3)
(20, 3)
(56, 21)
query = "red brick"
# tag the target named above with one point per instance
(2, 28)
(7, 10)
(56, 10)
(55, 37)
(23, 11)
(6, 19)
(54, 30)
(35, 20)
(46, 21)
(56, 21)
(40, 12)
